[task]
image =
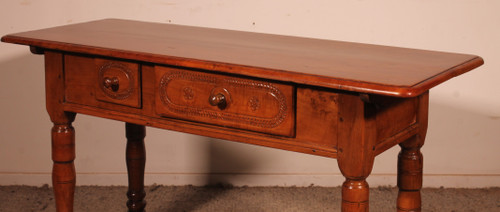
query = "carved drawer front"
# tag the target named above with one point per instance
(98, 82)
(118, 82)
(225, 101)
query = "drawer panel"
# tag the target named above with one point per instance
(117, 82)
(225, 100)
(92, 80)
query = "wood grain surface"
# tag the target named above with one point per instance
(341, 65)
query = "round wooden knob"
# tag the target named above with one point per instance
(112, 83)
(218, 100)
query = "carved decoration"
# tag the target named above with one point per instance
(188, 93)
(223, 115)
(116, 93)
(254, 103)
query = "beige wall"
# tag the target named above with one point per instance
(462, 144)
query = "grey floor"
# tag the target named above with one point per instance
(228, 198)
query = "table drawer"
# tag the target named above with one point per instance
(118, 82)
(222, 100)
(106, 80)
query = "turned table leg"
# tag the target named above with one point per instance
(355, 194)
(409, 176)
(136, 160)
(356, 139)
(63, 171)
(63, 134)
(410, 162)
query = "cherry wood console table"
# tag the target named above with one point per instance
(341, 100)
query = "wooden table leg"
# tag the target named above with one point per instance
(355, 193)
(63, 171)
(356, 139)
(63, 134)
(409, 176)
(410, 163)
(136, 160)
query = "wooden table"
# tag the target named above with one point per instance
(341, 100)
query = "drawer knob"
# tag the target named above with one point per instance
(112, 83)
(218, 100)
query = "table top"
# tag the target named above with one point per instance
(365, 68)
